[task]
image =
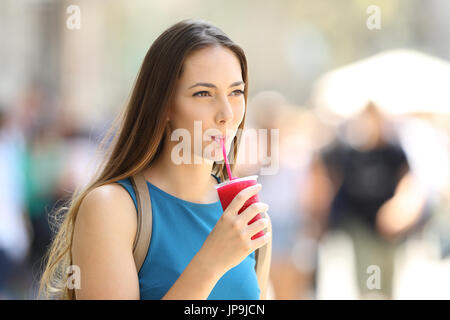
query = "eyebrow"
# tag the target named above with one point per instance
(210, 85)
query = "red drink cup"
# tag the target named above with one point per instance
(229, 189)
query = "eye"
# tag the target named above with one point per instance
(201, 94)
(237, 92)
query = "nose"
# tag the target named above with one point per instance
(225, 113)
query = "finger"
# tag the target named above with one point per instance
(240, 199)
(252, 210)
(261, 241)
(257, 226)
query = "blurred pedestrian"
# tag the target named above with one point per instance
(14, 230)
(375, 201)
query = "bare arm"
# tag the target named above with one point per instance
(400, 213)
(102, 245)
(196, 282)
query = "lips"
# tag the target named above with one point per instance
(217, 138)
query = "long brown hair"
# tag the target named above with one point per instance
(136, 137)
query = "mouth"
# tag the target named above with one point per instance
(218, 138)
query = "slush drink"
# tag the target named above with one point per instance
(229, 189)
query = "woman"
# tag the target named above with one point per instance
(192, 72)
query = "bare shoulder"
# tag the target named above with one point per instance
(111, 197)
(109, 194)
(108, 208)
(102, 245)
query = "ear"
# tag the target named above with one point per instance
(169, 113)
(168, 117)
(168, 126)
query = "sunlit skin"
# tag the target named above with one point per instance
(402, 211)
(210, 90)
(399, 213)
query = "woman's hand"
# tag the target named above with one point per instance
(230, 240)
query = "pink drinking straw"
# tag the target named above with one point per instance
(222, 142)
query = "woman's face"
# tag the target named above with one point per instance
(210, 92)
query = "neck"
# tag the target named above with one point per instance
(190, 182)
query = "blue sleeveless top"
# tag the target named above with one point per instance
(179, 230)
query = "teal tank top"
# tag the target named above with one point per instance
(179, 230)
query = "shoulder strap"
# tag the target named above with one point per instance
(144, 223)
(144, 234)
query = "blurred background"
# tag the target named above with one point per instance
(360, 203)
